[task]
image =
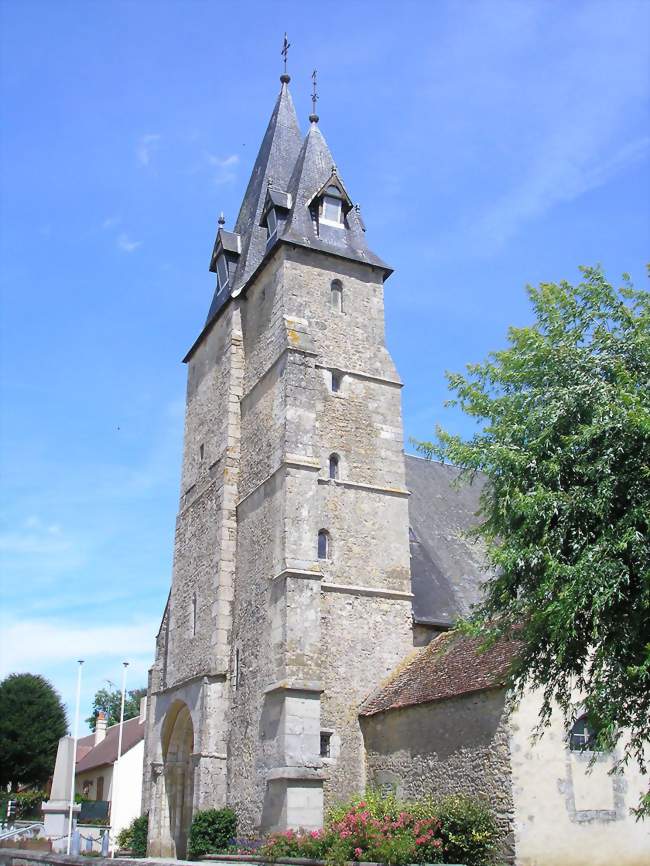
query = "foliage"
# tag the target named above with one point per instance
(212, 832)
(134, 837)
(28, 804)
(379, 828)
(32, 720)
(110, 701)
(468, 831)
(565, 448)
(379, 804)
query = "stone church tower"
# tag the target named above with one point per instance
(291, 595)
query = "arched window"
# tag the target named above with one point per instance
(334, 466)
(582, 735)
(337, 296)
(323, 544)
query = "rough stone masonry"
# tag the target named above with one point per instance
(291, 590)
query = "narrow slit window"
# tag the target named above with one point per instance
(193, 615)
(334, 466)
(337, 296)
(323, 544)
(337, 378)
(201, 451)
(325, 744)
(236, 672)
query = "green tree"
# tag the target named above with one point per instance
(32, 720)
(110, 702)
(564, 440)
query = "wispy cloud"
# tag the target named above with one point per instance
(146, 146)
(126, 244)
(223, 168)
(559, 174)
(42, 544)
(37, 644)
(111, 222)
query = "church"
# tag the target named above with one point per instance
(316, 566)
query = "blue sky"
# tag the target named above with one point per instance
(490, 144)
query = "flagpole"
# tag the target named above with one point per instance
(74, 753)
(119, 752)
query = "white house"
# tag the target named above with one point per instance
(96, 778)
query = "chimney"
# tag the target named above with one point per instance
(100, 727)
(143, 710)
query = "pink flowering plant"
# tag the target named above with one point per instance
(378, 828)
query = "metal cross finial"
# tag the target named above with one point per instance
(221, 220)
(313, 117)
(286, 45)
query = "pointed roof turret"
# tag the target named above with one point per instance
(275, 160)
(314, 174)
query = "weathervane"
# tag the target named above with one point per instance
(286, 45)
(313, 117)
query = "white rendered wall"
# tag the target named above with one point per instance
(126, 806)
(564, 815)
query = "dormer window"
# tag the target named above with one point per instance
(271, 224)
(222, 272)
(332, 207)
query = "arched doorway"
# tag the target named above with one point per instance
(177, 748)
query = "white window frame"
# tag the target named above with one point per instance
(221, 261)
(332, 200)
(271, 232)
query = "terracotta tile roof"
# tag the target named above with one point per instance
(451, 665)
(90, 756)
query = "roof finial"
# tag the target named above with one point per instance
(286, 45)
(313, 117)
(221, 220)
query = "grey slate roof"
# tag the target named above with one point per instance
(275, 160)
(447, 568)
(287, 165)
(312, 171)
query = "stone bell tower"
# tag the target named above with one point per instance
(291, 596)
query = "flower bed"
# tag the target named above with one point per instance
(380, 829)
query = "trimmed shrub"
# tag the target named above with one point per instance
(212, 832)
(134, 837)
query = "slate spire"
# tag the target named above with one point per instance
(275, 160)
(314, 170)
